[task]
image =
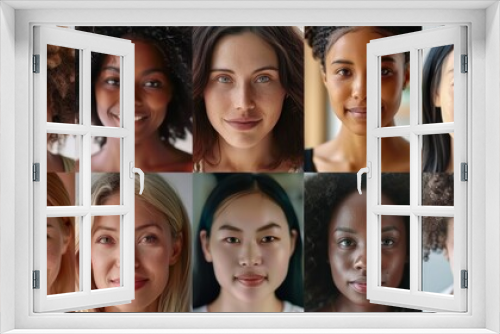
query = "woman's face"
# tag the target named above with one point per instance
(153, 90)
(347, 242)
(244, 95)
(250, 247)
(58, 238)
(445, 91)
(345, 79)
(155, 252)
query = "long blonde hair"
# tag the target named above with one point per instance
(57, 195)
(176, 295)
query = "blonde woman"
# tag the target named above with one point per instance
(162, 249)
(61, 266)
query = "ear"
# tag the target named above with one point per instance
(205, 246)
(437, 99)
(293, 241)
(407, 76)
(66, 235)
(176, 250)
(323, 76)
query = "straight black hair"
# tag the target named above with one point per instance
(205, 285)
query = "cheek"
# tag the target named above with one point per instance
(393, 264)
(53, 253)
(391, 94)
(101, 263)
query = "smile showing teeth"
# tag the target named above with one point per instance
(138, 118)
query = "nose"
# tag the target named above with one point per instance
(250, 255)
(243, 97)
(359, 87)
(360, 259)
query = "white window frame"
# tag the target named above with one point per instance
(414, 43)
(15, 279)
(84, 43)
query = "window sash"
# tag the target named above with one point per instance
(413, 298)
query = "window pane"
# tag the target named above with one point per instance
(395, 154)
(395, 89)
(106, 154)
(438, 189)
(395, 189)
(437, 154)
(395, 252)
(437, 85)
(62, 85)
(106, 95)
(62, 264)
(106, 252)
(437, 254)
(106, 189)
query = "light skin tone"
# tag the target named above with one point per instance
(344, 77)
(58, 238)
(347, 243)
(244, 98)
(155, 251)
(250, 250)
(450, 241)
(443, 98)
(153, 93)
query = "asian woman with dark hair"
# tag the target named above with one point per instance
(249, 251)
(438, 107)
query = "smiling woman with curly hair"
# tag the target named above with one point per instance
(163, 98)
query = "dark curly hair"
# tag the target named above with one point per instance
(62, 83)
(322, 194)
(174, 44)
(321, 39)
(437, 189)
(289, 130)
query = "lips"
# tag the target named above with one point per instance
(251, 280)
(358, 285)
(243, 124)
(139, 282)
(357, 112)
(137, 117)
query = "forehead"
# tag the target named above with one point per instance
(350, 212)
(146, 55)
(244, 50)
(249, 212)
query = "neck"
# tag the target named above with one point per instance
(353, 147)
(147, 149)
(342, 304)
(112, 153)
(258, 157)
(226, 302)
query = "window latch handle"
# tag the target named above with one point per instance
(133, 170)
(368, 171)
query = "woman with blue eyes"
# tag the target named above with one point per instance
(163, 98)
(336, 243)
(341, 52)
(162, 246)
(248, 99)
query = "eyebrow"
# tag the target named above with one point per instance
(260, 229)
(105, 228)
(153, 70)
(389, 59)
(342, 61)
(143, 227)
(345, 229)
(390, 228)
(264, 68)
(111, 68)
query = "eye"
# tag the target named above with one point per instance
(224, 79)
(386, 71)
(263, 79)
(112, 81)
(153, 84)
(343, 72)
(268, 239)
(149, 239)
(232, 240)
(388, 242)
(105, 240)
(346, 243)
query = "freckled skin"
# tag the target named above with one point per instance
(347, 242)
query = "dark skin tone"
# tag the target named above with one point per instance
(153, 93)
(347, 242)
